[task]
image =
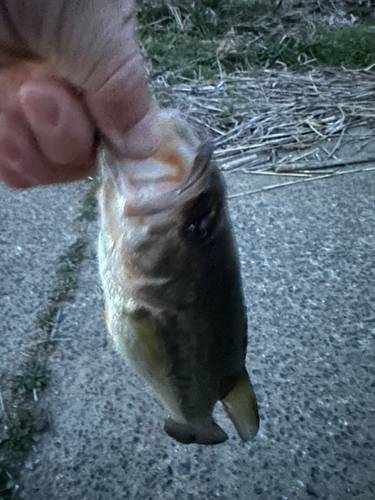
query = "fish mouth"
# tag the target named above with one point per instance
(200, 166)
(139, 203)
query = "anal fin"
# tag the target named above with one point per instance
(241, 406)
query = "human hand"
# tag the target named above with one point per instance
(68, 69)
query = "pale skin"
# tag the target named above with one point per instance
(70, 71)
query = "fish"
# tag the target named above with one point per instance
(170, 273)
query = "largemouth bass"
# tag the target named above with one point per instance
(172, 286)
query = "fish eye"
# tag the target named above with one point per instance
(202, 217)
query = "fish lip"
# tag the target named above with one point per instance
(192, 186)
(200, 166)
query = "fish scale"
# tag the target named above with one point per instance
(172, 285)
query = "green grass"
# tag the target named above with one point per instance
(66, 285)
(67, 273)
(89, 204)
(191, 49)
(8, 475)
(45, 319)
(17, 430)
(15, 443)
(32, 376)
(191, 52)
(21, 431)
(349, 47)
(17, 425)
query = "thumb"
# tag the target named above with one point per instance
(115, 87)
(117, 96)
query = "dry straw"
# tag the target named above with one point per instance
(281, 122)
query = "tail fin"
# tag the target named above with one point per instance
(241, 406)
(204, 432)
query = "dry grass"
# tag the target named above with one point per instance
(279, 121)
(184, 39)
(236, 80)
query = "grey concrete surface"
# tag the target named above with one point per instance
(35, 228)
(307, 255)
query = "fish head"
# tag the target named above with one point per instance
(161, 212)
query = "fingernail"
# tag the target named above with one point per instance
(41, 109)
(142, 141)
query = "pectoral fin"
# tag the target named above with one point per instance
(241, 406)
(145, 327)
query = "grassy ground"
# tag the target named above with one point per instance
(22, 419)
(187, 40)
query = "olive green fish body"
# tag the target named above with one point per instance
(172, 286)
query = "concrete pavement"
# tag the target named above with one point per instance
(307, 255)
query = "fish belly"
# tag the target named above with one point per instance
(170, 370)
